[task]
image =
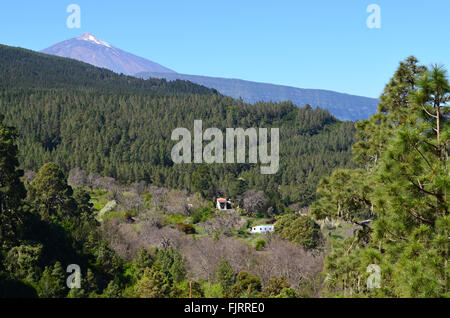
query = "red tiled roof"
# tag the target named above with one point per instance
(222, 200)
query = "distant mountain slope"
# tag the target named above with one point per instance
(22, 68)
(89, 49)
(343, 106)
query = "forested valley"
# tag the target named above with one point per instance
(86, 178)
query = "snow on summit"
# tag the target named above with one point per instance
(89, 37)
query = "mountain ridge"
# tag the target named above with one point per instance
(342, 105)
(89, 49)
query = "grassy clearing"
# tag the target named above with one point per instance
(99, 198)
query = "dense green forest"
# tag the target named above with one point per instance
(61, 114)
(100, 190)
(77, 115)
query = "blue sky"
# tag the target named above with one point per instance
(322, 44)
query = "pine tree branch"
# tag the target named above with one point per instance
(423, 190)
(426, 111)
(419, 217)
(421, 154)
(430, 144)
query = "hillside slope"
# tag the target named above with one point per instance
(342, 106)
(80, 116)
(28, 69)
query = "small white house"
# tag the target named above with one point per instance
(223, 204)
(262, 229)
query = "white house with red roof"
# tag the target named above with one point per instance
(223, 204)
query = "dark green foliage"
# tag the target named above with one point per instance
(12, 190)
(107, 259)
(82, 199)
(22, 261)
(247, 285)
(49, 192)
(201, 215)
(56, 228)
(192, 289)
(275, 287)
(350, 190)
(77, 293)
(225, 276)
(171, 264)
(155, 284)
(143, 260)
(288, 293)
(260, 245)
(186, 228)
(91, 282)
(53, 283)
(299, 229)
(394, 108)
(113, 290)
(202, 181)
(238, 188)
(11, 288)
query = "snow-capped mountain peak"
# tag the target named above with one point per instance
(89, 37)
(89, 49)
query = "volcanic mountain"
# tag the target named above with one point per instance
(89, 49)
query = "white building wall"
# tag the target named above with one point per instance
(262, 229)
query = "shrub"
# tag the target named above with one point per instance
(191, 289)
(246, 284)
(202, 215)
(260, 245)
(299, 229)
(213, 290)
(288, 293)
(275, 287)
(186, 228)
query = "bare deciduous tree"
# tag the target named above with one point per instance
(254, 201)
(222, 223)
(29, 176)
(77, 177)
(139, 187)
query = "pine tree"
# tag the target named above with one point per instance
(225, 276)
(91, 282)
(52, 283)
(50, 193)
(143, 260)
(404, 184)
(393, 109)
(202, 182)
(155, 284)
(12, 190)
